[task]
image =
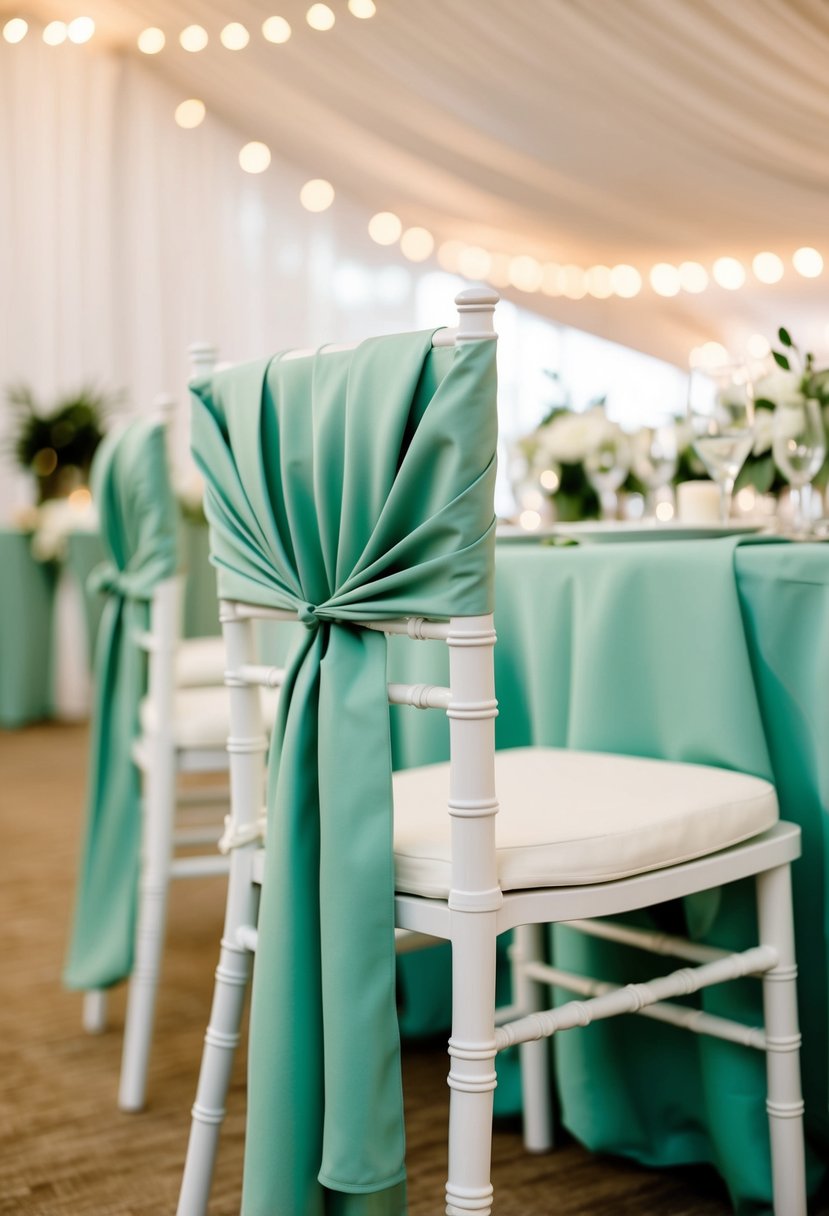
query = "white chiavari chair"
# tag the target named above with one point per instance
(580, 837)
(184, 723)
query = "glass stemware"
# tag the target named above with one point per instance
(799, 449)
(655, 457)
(607, 466)
(721, 413)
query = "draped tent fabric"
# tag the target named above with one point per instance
(579, 131)
(348, 487)
(138, 517)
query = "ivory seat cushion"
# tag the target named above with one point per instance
(201, 716)
(199, 662)
(569, 817)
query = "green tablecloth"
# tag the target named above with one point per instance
(27, 590)
(26, 596)
(687, 651)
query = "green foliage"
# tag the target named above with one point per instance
(45, 443)
(781, 360)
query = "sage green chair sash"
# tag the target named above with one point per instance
(349, 487)
(137, 509)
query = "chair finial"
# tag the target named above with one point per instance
(203, 356)
(475, 308)
(164, 408)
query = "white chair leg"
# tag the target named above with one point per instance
(158, 807)
(472, 1077)
(95, 1011)
(530, 996)
(220, 1042)
(784, 1100)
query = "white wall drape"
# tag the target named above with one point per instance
(124, 238)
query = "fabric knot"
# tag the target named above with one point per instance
(307, 613)
(104, 579)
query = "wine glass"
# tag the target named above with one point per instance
(607, 465)
(799, 449)
(655, 457)
(721, 413)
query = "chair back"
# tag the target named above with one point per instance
(352, 490)
(138, 528)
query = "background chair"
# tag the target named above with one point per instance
(580, 836)
(137, 818)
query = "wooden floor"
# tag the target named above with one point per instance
(65, 1150)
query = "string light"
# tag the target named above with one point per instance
(80, 30)
(255, 157)
(190, 113)
(193, 38)
(234, 36)
(499, 270)
(417, 244)
(15, 30)
(151, 40)
(598, 282)
(692, 277)
(385, 228)
(320, 17)
(552, 279)
(767, 267)
(808, 262)
(317, 195)
(526, 273)
(474, 262)
(448, 254)
(664, 279)
(729, 273)
(362, 8)
(758, 346)
(573, 284)
(276, 29)
(55, 33)
(626, 281)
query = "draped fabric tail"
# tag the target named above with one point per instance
(103, 927)
(138, 516)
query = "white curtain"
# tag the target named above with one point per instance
(124, 238)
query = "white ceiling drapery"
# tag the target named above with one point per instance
(586, 131)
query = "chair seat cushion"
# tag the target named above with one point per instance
(569, 817)
(199, 662)
(201, 716)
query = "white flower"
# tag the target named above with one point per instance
(763, 431)
(56, 518)
(189, 487)
(570, 438)
(779, 386)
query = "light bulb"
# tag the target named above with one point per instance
(317, 195)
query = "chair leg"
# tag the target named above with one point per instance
(472, 1077)
(95, 1011)
(784, 1100)
(220, 1042)
(158, 809)
(530, 996)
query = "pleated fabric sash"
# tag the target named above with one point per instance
(351, 486)
(138, 516)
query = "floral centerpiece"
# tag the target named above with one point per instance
(575, 457)
(57, 446)
(793, 381)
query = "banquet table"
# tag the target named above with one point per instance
(27, 612)
(701, 651)
(26, 595)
